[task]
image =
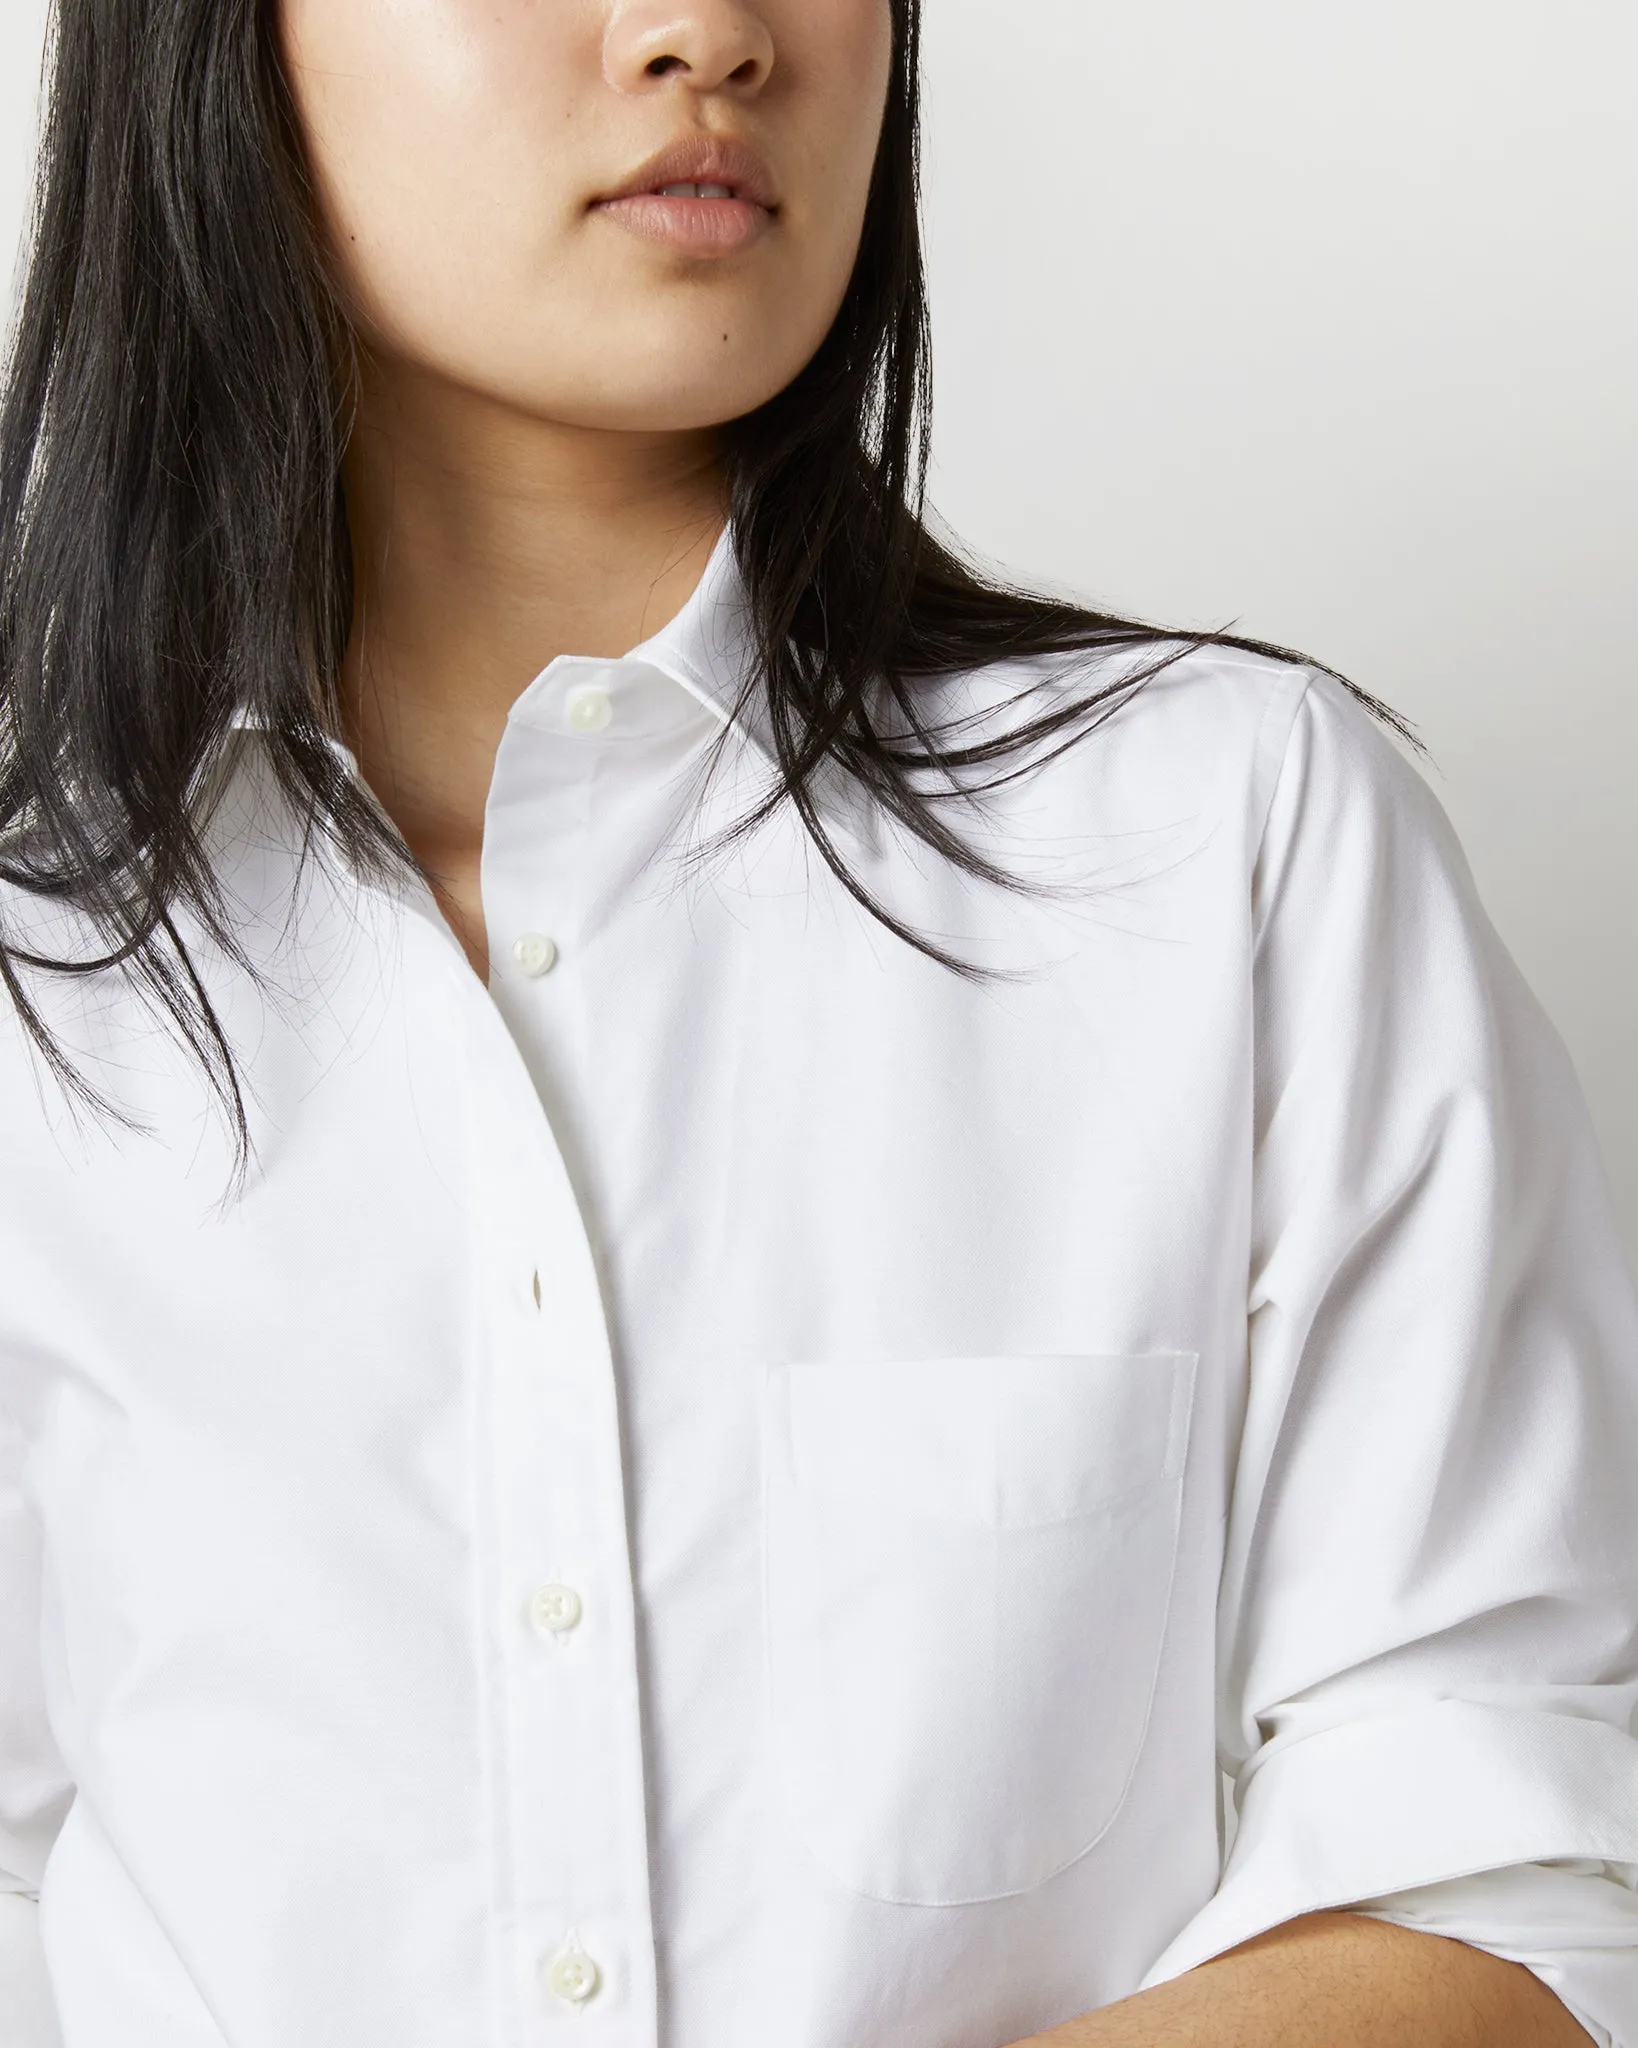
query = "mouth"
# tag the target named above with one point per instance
(703, 196)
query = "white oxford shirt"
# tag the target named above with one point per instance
(738, 1488)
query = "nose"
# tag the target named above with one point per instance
(711, 46)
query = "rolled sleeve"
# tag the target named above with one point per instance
(1390, 1804)
(1573, 1923)
(1429, 1606)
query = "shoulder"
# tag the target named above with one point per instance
(1161, 724)
(1348, 799)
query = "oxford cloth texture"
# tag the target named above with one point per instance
(737, 1486)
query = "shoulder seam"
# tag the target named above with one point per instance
(1269, 750)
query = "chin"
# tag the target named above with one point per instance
(672, 412)
(675, 396)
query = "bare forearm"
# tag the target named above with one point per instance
(1340, 1980)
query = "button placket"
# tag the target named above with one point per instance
(588, 708)
(575, 1773)
(573, 1777)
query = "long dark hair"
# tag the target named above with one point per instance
(173, 536)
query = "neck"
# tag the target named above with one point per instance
(485, 543)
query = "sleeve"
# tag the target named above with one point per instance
(1574, 1923)
(1429, 1604)
(33, 1786)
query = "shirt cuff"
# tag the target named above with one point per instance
(28, 2013)
(1396, 1801)
(1573, 1923)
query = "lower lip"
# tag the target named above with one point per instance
(693, 227)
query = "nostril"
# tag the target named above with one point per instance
(660, 67)
(745, 73)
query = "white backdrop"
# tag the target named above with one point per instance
(1323, 320)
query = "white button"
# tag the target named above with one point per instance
(572, 1974)
(589, 708)
(555, 1610)
(535, 953)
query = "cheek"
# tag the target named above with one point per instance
(845, 49)
(842, 52)
(429, 133)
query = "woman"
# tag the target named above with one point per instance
(721, 1251)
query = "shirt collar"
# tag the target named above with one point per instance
(707, 649)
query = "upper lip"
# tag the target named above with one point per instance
(702, 160)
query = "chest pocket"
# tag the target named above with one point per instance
(969, 1565)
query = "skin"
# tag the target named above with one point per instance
(534, 472)
(534, 469)
(1336, 1980)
